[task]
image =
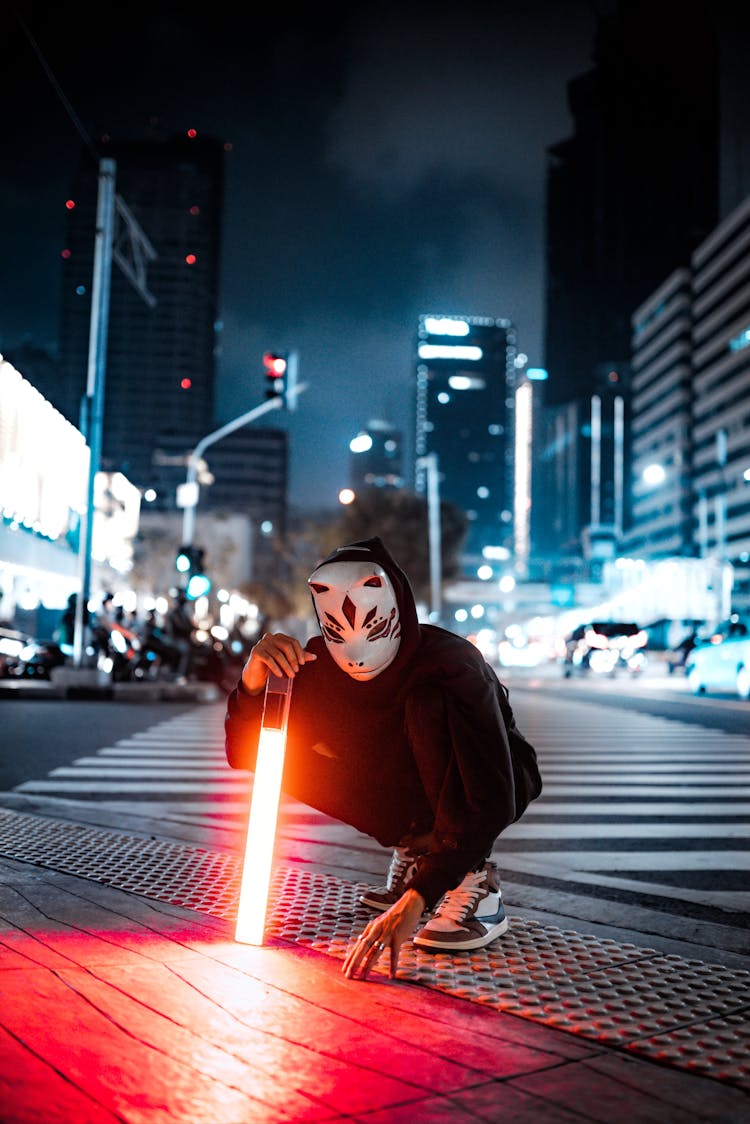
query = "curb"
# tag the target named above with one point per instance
(119, 692)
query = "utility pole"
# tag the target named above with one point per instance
(190, 488)
(429, 462)
(131, 249)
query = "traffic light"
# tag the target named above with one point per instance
(183, 561)
(275, 366)
(189, 561)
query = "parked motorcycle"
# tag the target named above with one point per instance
(12, 643)
(218, 659)
(37, 659)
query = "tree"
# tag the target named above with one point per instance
(401, 519)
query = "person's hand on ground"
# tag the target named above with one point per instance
(386, 932)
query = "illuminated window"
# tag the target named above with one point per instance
(445, 326)
(465, 382)
(449, 351)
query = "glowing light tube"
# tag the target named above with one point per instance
(264, 810)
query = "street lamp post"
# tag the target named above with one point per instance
(190, 487)
(429, 462)
(118, 237)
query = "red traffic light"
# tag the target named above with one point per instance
(275, 364)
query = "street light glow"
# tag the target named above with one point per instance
(654, 474)
(362, 443)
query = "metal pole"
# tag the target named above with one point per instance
(97, 367)
(188, 518)
(619, 462)
(430, 463)
(596, 459)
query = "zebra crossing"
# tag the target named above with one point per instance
(174, 770)
(638, 804)
(647, 807)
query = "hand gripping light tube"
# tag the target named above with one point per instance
(264, 809)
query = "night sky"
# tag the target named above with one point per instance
(387, 161)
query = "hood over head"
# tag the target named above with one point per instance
(365, 608)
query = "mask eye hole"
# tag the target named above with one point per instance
(374, 581)
(318, 587)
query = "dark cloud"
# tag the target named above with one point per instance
(388, 160)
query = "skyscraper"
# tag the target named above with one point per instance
(466, 378)
(630, 195)
(634, 190)
(160, 359)
(376, 459)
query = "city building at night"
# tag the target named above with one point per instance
(690, 417)
(467, 374)
(377, 455)
(619, 221)
(244, 474)
(660, 423)
(579, 482)
(161, 351)
(44, 477)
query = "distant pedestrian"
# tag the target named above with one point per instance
(179, 627)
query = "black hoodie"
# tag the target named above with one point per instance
(429, 745)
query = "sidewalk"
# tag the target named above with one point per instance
(91, 684)
(124, 997)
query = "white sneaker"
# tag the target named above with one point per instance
(468, 917)
(399, 872)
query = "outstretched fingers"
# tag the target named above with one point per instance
(365, 952)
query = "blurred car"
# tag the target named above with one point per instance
(514, 654)
(604, 648)
(12, 644)
(36, 659)
(722, 662)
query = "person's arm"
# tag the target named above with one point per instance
(274, 652)
(462, 714)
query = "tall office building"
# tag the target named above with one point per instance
(466, 379)
(376, 459)
(160, 356)
(661, 422)
(691, 409)
(630, 195)
(634, 190)
(579, 481)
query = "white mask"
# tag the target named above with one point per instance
(358, 616)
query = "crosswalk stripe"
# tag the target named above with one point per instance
(666, 803)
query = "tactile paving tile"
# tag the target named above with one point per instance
(207, 881)
(683, 1013)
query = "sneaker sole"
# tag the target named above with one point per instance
(460, 944)
(381, 906)
(373, 903)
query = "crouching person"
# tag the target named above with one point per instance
(403, 731)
